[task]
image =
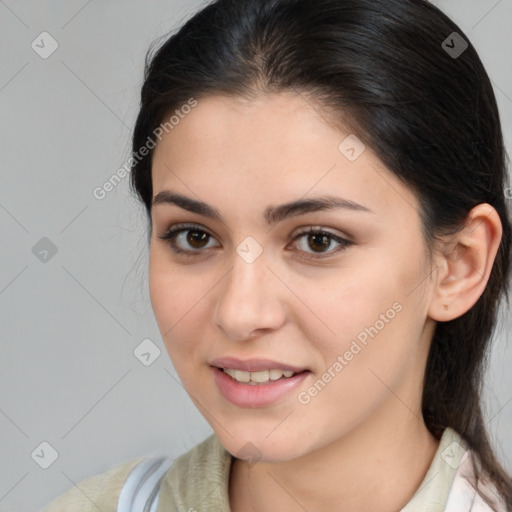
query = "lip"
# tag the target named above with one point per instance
(259, 395)
(253, 365)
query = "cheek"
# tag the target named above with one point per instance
(368, 316)
(368, 357)
(343, 308)
(176, 302)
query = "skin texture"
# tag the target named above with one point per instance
(360, 442)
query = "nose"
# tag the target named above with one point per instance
(250, 299)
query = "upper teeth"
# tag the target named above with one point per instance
(257, 377)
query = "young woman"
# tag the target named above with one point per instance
(326, 190)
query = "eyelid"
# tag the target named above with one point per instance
(176, 229)
(300, 232)
(183, 226)
(342, 241)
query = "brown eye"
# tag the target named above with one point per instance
(197, 239)
(190, 240)
(187, 239)
(318, 242)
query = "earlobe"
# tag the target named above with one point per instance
(465, 263)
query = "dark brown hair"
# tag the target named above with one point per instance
(429, 115)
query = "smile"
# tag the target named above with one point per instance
(260, 388)
(261, 377)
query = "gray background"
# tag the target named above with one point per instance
(69, 325)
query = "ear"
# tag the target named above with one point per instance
(464, 264)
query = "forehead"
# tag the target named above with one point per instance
(277, 122)
(272, 149)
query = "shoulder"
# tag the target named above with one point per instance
(463, 493)
(98, 492)
(201, 472)
(208, 455)
(198, 479)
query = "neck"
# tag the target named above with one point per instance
(377, 466)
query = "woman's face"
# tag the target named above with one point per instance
(351, 318)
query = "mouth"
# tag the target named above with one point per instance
(261, 382)
(257, 370)
(260, 388)
(262, 377)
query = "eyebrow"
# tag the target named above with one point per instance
(272, 214)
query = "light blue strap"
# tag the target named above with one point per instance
(141, 490)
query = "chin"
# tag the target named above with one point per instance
(261, 447)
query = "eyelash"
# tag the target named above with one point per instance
(171, 235)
